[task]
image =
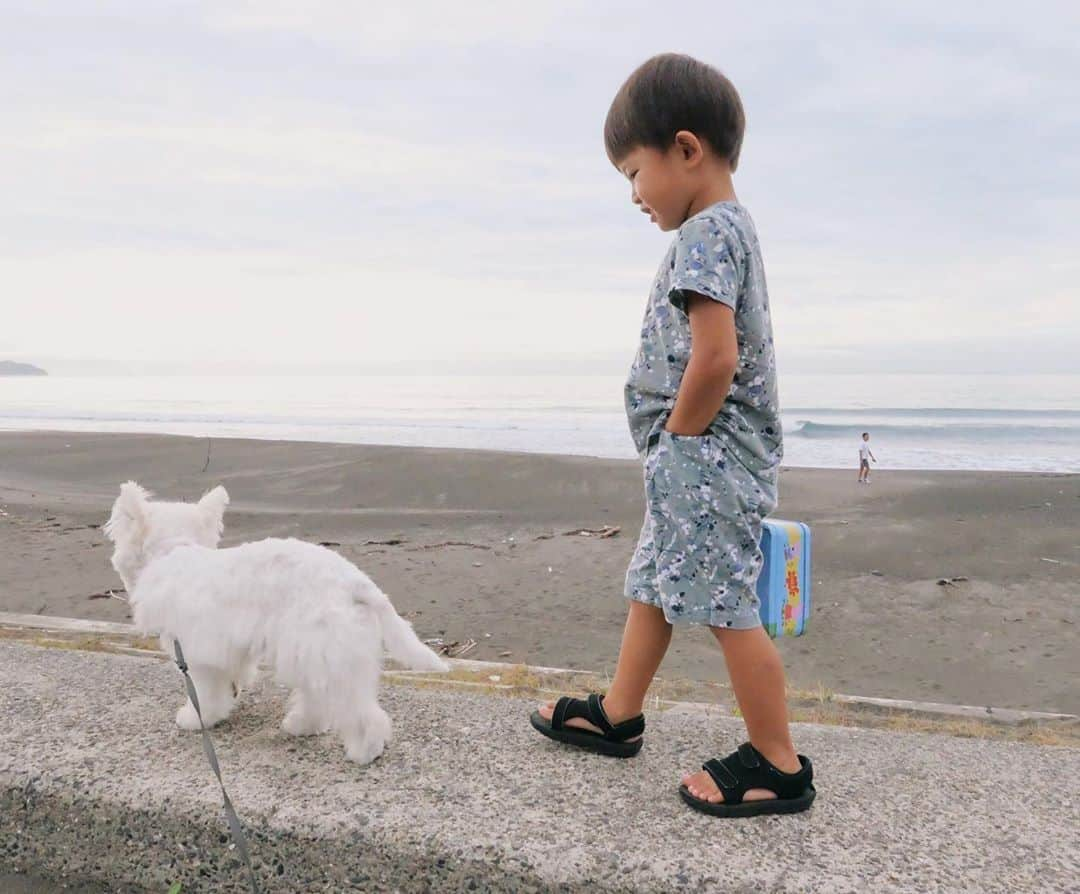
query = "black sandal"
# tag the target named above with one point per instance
(746, 769)
(612, 741)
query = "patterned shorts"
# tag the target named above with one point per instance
(698, 556)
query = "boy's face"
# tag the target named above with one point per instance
(661, 184)
(866, 437)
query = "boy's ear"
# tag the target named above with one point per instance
(212, 506)
(129, 513)
(689, 146)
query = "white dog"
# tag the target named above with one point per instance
(313, 616)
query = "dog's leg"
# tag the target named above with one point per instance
(246, 674)
(244, 677)
(346, 684)
(302, 719)
(355, 714)
(367, 732)
(215, 690)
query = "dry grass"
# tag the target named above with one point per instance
(1046, 732)
(815, 705)
(112, 643)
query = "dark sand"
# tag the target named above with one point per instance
(26, 884)
(471, 563)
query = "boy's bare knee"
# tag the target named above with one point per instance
(722, 633)
(753, 638)
(653, 612)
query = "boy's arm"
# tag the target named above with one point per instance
(714, 359)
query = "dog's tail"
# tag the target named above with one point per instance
(400, 640)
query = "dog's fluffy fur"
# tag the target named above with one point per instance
(311, 615)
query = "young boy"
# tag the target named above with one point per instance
(702, 406)
(865, 455)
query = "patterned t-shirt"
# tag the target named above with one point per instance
(716, 254)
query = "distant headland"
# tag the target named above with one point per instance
(11, 368)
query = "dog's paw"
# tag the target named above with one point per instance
(297, 723)
(365, 752)
(186, 718)
(437, 665)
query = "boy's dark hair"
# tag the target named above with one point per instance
(669, 93)
(866, 434)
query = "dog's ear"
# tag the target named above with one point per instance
(128, 513)
(212, 506)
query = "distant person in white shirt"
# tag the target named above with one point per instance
(865, 455)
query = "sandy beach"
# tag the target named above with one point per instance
(473, 545)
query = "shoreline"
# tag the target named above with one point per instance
(482, 554)
(853, 466)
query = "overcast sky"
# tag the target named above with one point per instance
(351, 186)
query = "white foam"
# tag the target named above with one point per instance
(573, 415)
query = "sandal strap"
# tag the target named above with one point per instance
(596, 713)
(567, 708)
(748, 754)
(558, 716)
(726, 779)
(592, 710)
(747, 768)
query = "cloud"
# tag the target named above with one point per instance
(425, 180)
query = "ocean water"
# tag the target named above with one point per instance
(1000, 422)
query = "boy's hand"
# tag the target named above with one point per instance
(714, 358)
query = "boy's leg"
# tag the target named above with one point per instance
(645, 641)
(646, 638)
(757, 677)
